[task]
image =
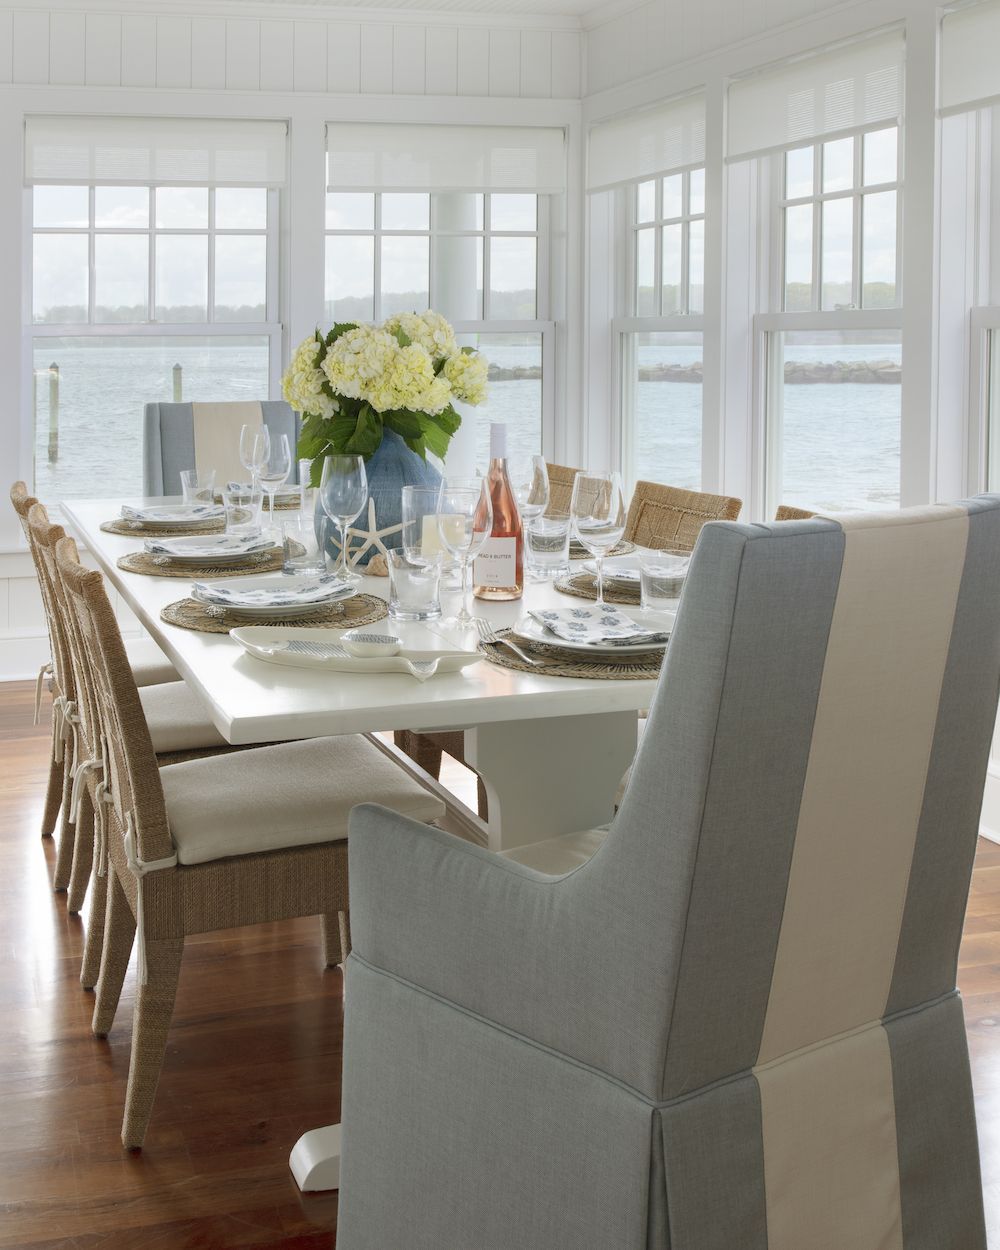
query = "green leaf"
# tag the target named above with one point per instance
(338, 328)
(406, 423)
(401, 337)
(367, 433)
(470, 351)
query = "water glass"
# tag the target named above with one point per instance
(547, 540)
(302, 551)
(243, 501)
(661, 576)
(414, 586)
(198, 485)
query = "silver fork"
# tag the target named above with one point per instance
(490, 636)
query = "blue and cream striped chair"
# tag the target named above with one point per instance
(206, 436)
(735, 1025)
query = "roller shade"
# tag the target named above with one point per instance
(643, 145)
(114, 151)
(858, 85)
(375, 157)
(970, 71)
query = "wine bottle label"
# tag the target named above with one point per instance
(496, 564)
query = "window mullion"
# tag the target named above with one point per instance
(817, 233)
(91, 256)
(151, 278)
(210, 301)
(377, 259)
(858, 220)
(487, 255)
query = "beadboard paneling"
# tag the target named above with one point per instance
(103, 50)
(208, 53)
(31, 46)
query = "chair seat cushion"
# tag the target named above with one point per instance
(557, 856)
(149, 665)
(291, 794)
(177, 718)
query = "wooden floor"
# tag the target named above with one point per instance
(253, 1061)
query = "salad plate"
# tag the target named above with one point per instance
(656, 627)
(228, 549)
(280, 596)
(181, 515)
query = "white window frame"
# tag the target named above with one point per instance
(541, 324)
(625, 327)
(768, 380)
(270, 328)
(985, 324)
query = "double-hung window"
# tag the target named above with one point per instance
(153, 276)
(653, 165)
(456, 219)
(824, 132)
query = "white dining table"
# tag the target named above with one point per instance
(551, 750)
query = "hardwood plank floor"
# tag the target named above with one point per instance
(253, 1060)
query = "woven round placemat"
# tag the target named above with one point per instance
(577, 551)
(561, 663)
(584, 586)
(360, 610)
(143, 562)
(131, 530)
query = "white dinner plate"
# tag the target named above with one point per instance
(281, 597)
(268, 642)
(175, 515)
(229, 549)
(527, 629)
(625, 570)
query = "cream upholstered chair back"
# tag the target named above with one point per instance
(669, 517)
(736, 1025)
(206, 436)
(132, 774)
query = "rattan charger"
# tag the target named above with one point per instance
(143, 562)
(349, 613)
(563, 663)
(584, 586)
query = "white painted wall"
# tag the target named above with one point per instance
(246, 60)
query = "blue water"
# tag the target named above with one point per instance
(840, 445)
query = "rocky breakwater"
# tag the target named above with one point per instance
(797, 372)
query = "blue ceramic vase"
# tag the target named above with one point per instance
(392, 467)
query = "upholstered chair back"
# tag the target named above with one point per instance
(133, 776)
(206, 436)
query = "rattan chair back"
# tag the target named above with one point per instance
(786, 512)
(134, 779)
(560, 487)
(669, 518)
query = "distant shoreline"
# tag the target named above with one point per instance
(797, 372)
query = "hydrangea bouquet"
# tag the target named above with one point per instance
(359, 380)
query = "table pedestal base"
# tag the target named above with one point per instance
(315, 1159)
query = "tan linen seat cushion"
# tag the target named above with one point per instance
(177, 719)
(557, 856)
(291, 794)
(150, 667)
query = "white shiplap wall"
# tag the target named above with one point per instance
(64, 46)
(662, 33)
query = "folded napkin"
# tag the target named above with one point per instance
(271, 594)
(596, 624)
(176, 512)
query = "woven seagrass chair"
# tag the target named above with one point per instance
(149, 665)
(670, 518)
(734, 1025)
(560, 486)
(212, 843)
(176, 718)
(787, 512)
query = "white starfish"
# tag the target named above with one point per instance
(371, 537)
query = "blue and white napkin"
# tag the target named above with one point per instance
(595, 624)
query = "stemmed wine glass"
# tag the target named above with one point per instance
(465, 521)
(530, 481)
(255, 447)
(343, 491)
(597, 509)
(274, 469)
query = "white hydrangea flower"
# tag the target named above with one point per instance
(429, 330)
(467, 375)
(302, 384)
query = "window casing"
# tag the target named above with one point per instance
(829, 350)
(171, 293)
(480, 259)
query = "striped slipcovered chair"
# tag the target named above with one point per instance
(735, 1026)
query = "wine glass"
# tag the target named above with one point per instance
(343, 491)
(597, 509)
(274, 469)
(465, 521)
(530, 482)
(255, 447)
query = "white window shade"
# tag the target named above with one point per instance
(643, 145)
(110, 151)
(858, 85)
(373, 157)
(970, 73)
